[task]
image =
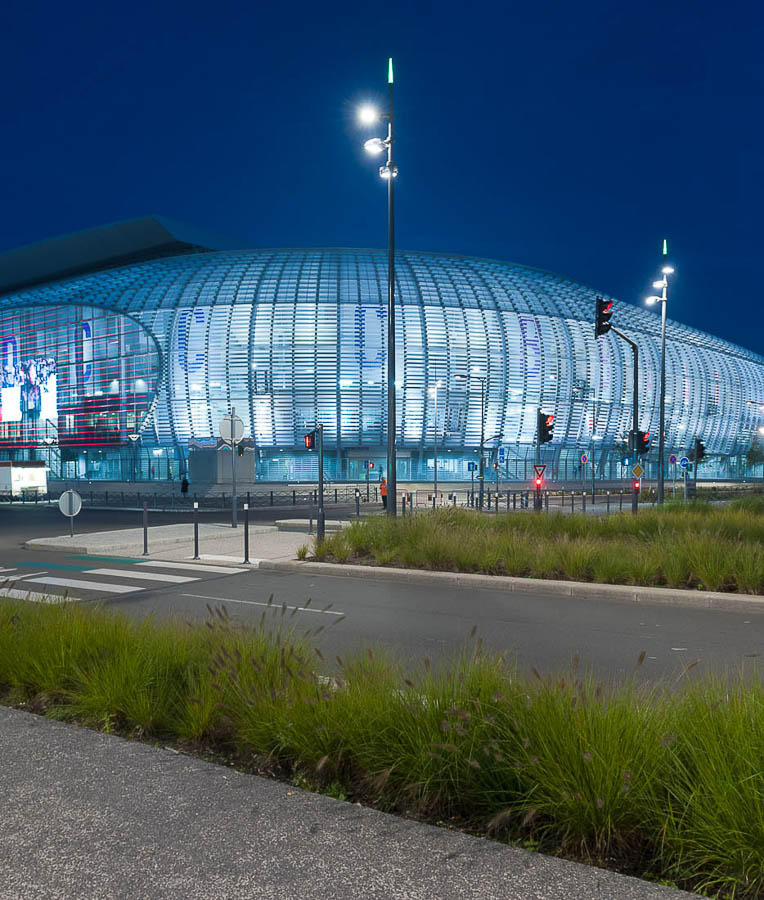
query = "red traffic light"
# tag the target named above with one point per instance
(539, 481)
(495, 465)
(371, 464)
(636, 486)
(310, 441)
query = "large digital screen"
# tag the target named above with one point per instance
(28, 394)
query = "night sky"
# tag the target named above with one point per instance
(568, 136)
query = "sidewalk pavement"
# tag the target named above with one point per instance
(217, 542)
(89, 815)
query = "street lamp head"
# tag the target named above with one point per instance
(667, 270)
(650, 300)
(374, 146)
(384, 172)
(368, 115)
(658, 285)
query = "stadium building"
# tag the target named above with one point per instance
(124, 346)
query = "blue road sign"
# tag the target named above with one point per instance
(502, 452)
(684, 462)
(471, 466)
(584, 459)
(672, 459)
(625, 461)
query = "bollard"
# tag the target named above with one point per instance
(572, 500)
(403, 503)
(335, 495)
(608, 502)
(433, 501)
(453, 497)
(583, 500)
(514, 500)
(509, 494)
(246, 531)
(357, 504)
(497, 502)
(145, 528)
(620, 501)
(271, 498)
(294, 498)
(196, 530)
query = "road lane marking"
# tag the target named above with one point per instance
(144, 576)
(190, 567)
(34, 597)
(7, 570)
(20, 576)
(326, 612)
(89, 585)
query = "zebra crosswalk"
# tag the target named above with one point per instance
(73, 581)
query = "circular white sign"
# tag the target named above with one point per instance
(231, 429)
(684, 462)
(70, 503)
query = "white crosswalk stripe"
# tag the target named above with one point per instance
(142, 576)
(34, 597)
(86, 585)
(193, 567)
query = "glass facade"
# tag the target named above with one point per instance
(151, 356)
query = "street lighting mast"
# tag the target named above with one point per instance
(390, 172)
(662, 285)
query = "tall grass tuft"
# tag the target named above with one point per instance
(665, 783)
(696, 546)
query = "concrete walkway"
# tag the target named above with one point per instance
(88, 815)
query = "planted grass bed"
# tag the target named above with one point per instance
(664, 785)
(696, 545)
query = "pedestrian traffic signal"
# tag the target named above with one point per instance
(643, 442)
(545, 427)
(700, 450)
(310, 441)
(604, 312)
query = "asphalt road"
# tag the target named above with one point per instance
(413, 621)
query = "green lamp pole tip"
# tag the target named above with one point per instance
(665, 243)
(390, 70)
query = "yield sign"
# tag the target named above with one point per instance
(539, 470)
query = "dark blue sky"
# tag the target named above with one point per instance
(568, 136)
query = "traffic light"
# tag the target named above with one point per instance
(494, 465)
(310, 441)
(636, 487)
(604, 312)
(700, 450)
(643, 442)
(538, 481)
(240, 449)
(545, 427)
(371, 464)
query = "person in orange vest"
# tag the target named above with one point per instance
(383, 492)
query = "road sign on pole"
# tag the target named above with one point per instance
(70, 504)
(672, 459)
(584, 459)
(684, 462)
(539, 469)
(637, 471)
(231, 432)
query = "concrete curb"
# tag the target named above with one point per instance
(635, 594)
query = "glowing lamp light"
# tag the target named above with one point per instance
(368, 115)
(658, 285)
(374, 146)
(539, 481)
(667, 270)
(650, 300)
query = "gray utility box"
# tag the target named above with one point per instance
(213, 466)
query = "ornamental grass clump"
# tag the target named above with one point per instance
(665, 780)
(693, 546)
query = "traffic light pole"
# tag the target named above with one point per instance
(321, 519)
(634, 413)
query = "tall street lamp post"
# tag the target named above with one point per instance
(434, 395)
(389, 171)
(662, 285)
(481, 473)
